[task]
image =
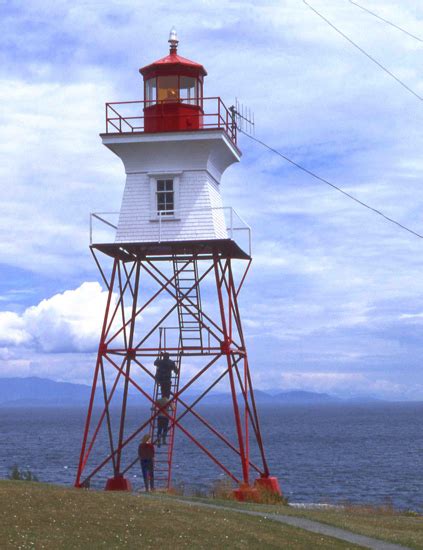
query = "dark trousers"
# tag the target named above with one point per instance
(147, 468)
(165, 387)
(162, 427)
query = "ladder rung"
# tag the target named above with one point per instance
(185, 288)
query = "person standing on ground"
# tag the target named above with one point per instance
(165, 366)
(163, 419)
(146, 456)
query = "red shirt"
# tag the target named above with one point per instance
(146, 451)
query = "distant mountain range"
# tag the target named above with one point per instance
(42, 392)
(294, 396)
(35, 391)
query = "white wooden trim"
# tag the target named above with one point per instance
(154, 177)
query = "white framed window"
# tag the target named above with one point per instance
(164, 196)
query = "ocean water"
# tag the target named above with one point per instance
(321, 453)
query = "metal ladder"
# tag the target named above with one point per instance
(190, 335)
(164, 453)
(186, 282)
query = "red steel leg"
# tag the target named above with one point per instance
(82, 458)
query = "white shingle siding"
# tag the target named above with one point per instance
(200, 213)
(220, 225)
(196, 161)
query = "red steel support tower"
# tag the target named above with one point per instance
(174, 268)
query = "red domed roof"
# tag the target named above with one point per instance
(173, 64)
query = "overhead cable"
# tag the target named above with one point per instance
(391, 74)
(323, 180)
(386, 21)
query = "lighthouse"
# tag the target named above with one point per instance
(167, 260)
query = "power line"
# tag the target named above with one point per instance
(386, 21)
(314, 175)
(403, 84)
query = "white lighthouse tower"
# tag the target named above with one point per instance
(174, 167)
(172, 228)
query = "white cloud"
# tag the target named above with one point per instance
(344, 384)
(50, 157)
(412, 317)
(12, 329)
(70, 321)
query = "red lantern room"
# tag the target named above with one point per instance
(173, 92)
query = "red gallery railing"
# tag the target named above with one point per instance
(209, 113)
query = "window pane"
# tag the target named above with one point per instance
(187, 90)
(151, 90)
(165, 197)
(168, 88)
(200, 92)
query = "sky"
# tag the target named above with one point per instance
(334, 301)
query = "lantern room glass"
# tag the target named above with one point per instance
(168, 88)
(151, 91)
(188, 90)
(174, 89)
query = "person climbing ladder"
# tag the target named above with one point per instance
(163, 419)
(165, 366)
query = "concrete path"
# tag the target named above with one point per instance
(309, 525)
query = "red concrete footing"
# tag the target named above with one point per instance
(118, 483)
(262, 486)
(269, 484)
(246, 493)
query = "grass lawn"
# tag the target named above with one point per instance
(37, 515)
(378, 522)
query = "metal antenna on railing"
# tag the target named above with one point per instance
(242, 118)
